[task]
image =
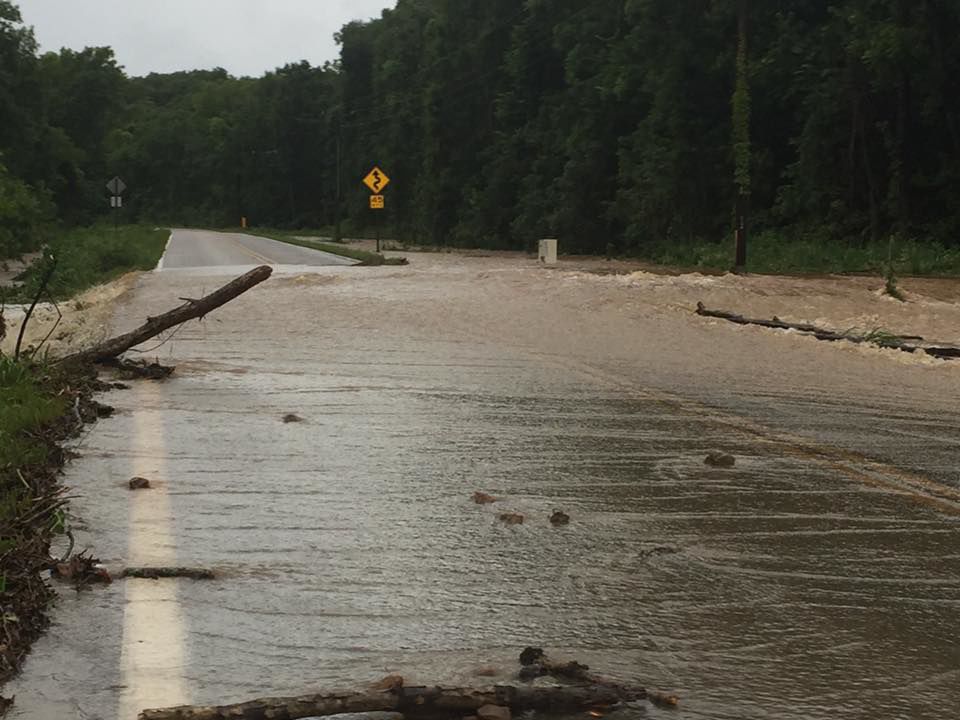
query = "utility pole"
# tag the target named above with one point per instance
(336, 229)
(741, 141)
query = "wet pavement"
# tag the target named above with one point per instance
(194, 248)
(819, 578)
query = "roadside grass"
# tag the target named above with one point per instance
(364, 257)
(24, 406)
(94, 255)
(35, 400)
(775, 254)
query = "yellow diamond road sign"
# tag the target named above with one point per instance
(377, 180)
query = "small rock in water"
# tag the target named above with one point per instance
(559, 517)
(493, 712)
(292, 418)
(724, 460)
(530, 655)
(101, 410)
(512, 518)
(390, 682)
(481, 498)
(662, 699)
(139, 483)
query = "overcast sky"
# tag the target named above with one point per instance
(247, 37)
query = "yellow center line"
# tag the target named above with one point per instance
(256, 256)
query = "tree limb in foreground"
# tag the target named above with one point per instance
(190, 310)
(413, 702)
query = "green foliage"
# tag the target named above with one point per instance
(24, 216)
(890, 285)
(98, 254)
(774, 251)
(24, 406)
(613, 122)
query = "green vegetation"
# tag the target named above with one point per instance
(632, 127)
(35, 402)
(363, 256)
(89, 256)
(771, 252)
(24, 406)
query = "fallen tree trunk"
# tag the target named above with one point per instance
(190, 310)
(413, 702)
(905, 343)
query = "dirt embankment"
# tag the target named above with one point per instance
(86, 319)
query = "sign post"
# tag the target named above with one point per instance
(116, 188)
(376, 180)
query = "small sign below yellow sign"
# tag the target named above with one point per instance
(377, 202)
(376, 180)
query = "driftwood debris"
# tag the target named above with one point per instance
(906, 343)
(429, 703)
(190, 310)
(413, 702)
(138, 369)
(155, 573)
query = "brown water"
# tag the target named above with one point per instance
(819, 578)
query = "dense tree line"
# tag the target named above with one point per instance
(629, 123)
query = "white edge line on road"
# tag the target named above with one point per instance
(153, 653)
(165, 248)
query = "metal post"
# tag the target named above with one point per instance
(336, 229)
(740, 263)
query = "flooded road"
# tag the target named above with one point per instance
(819, 578)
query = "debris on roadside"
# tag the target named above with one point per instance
(511, 518)
(719, 459)
(292, 418)
(139, 483)
(877, 337)
(559, 517)
(481, 498)
(579, 691)
(156, 573)
(101, 410)
(138, 369)
(82, 570)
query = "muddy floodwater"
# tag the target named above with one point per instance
(818, 578)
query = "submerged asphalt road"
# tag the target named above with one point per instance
(197, 249)
(819, 578)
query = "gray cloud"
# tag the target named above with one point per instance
(247, 37)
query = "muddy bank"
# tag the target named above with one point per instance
(85, 321)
